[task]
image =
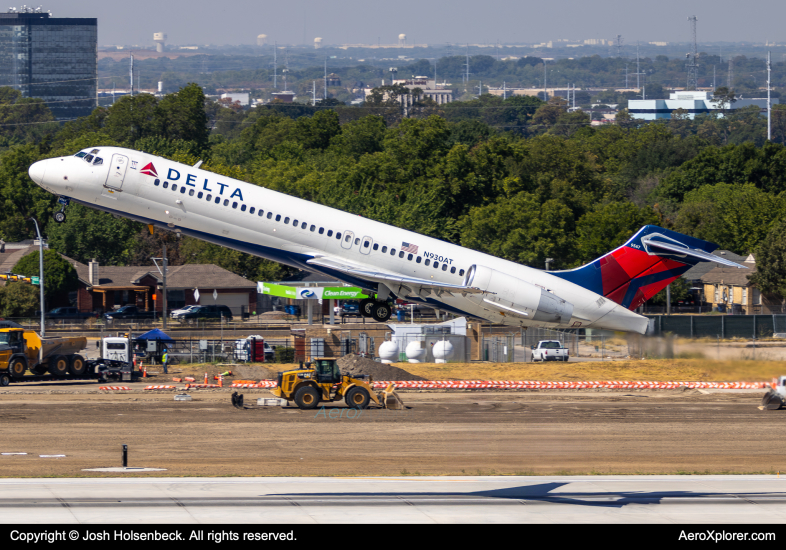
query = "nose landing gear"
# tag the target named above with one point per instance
(60, 216)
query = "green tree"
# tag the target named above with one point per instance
(770, 276)
(19, 300)
(92, 234)
(609, 226)
(59, 275)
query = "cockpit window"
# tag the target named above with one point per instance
(88, 158)
(94, 152)
(80, 154)
(98, 160)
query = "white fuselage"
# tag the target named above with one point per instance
(124, 184)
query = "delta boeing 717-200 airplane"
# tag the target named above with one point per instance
(387, 261)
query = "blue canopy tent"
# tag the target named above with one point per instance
(160, 339)
(155, 334)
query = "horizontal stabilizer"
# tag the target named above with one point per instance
(680, 248)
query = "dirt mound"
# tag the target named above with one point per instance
(355, 364)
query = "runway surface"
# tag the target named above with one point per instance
(483, 499)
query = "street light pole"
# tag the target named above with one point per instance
(41, 276)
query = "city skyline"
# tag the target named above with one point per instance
(434, 23)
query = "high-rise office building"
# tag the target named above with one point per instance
(54, 59)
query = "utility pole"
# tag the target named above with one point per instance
(324, 95)
(275, 67)
(41, 282)
(545, 88)
(769, 102)
(164, 289)
(131, 73)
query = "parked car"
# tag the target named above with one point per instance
(68, 313)
(207, 312)
(550, 350)
(178, 312)
(129, 312)
(350, 309)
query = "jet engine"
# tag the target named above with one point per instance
(516, 297)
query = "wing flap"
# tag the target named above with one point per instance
(392, 280)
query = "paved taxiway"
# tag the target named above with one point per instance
(514, 499)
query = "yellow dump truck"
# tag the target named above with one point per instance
(21, 350)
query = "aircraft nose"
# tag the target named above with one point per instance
(37, 171)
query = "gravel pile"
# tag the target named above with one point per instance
(355, 364)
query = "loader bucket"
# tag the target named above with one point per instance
(390, 399)
(771, 401)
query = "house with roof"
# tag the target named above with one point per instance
(103, 288)
(729, 289)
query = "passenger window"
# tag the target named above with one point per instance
(330, 232)
(375, 247)
(418, 259)
(278, 217)
(269, 215)
(251, 210)
(392, 251)
(384, 249)
(349, 238)
(321, 230)
(461, 273)
(428, 262)
(410, 257)
(312, 228)
(166, 184)
(401, 254)
(174, 187)
(218, 200)
(286, 220)
(200, 195)
(452, 270)
(243, 208)
(183, 190)
(444, 267)
(436, 265)
(190, 192)
(303, 225)
(157, 182)
(357, 241)
(366, 244)
(234, 205)
(98, 161)
(209, 197)
(338, 236)
(293, 223)
(226, 202)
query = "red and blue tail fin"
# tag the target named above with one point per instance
(643, 266)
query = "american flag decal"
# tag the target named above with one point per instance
(406, 247)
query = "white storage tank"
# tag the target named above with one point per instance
(442, 350)
(415, 353)
(388, 352)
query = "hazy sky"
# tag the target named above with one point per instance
(426, 21)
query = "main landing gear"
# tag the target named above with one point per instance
(60, 216)
(380, 311)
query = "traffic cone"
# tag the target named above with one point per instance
(144, 371)
(220, 381)
(206, 382)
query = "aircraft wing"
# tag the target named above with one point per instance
(397, 283)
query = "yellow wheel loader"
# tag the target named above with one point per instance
(321, 381)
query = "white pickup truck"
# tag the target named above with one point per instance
(550, 350)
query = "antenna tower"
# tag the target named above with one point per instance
(618, 41)
(693, 57)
